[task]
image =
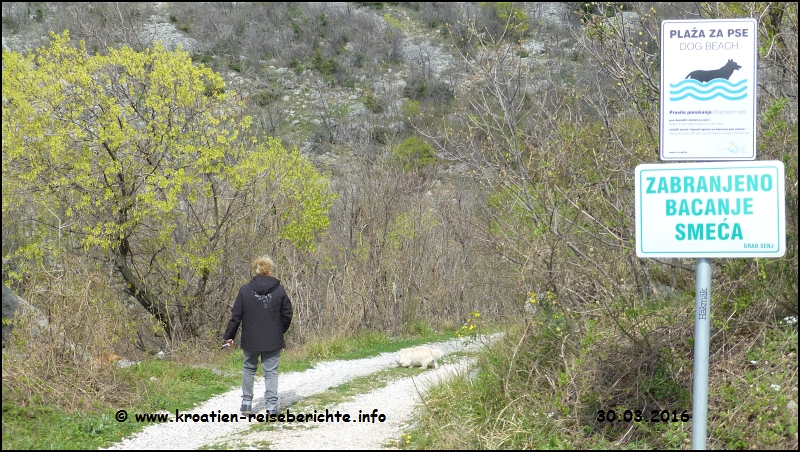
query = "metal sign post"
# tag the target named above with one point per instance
(708, 113)
(702, 328)
(713, 209)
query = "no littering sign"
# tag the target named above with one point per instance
(714, 209)
(708, 89)
(724, 207)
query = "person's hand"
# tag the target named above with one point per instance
(227, 343)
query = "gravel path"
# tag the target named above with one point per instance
(396, 401)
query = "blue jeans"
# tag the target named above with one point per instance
(269, 363)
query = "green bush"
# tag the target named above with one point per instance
(374, 103)
(342, 41)
(296, 67)
(379, 135)
(413, 153)
(296, 28)
(10, 25)
(201, 58)
(358, 60)
(376, 5)
(419, 89)
(326, 67)
(410, 108)
(266, 97)
(518, 22)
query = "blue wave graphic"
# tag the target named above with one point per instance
(721, 81)
(708, 91)
(714, 96)
(718, 87)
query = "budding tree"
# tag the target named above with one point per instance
(142, 159)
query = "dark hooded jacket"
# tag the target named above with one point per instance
(265, 313)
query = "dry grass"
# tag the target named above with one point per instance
(68, 362)
(542, 387)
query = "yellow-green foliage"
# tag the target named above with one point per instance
(410, 108)
(413, 153)
(303, 193)
(517, 20)
(392, 23)
(145, 148)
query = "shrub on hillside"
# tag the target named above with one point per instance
(413, 153)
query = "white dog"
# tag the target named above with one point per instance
(418, 356)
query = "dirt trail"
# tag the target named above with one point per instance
(396, 401)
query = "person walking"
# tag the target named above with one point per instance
(264, 311)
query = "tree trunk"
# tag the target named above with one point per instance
(136, 287)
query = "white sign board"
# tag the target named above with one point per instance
(708, 89)
(713, 209)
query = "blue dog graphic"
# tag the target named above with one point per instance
(723, 72)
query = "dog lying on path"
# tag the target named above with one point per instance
(418, 356)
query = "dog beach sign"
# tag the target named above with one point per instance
(708, 89)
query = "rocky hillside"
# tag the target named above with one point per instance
(327, 76)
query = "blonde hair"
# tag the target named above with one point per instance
(263, 265)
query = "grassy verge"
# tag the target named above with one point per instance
(148, 387)
(543, 385)
(155, 385)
